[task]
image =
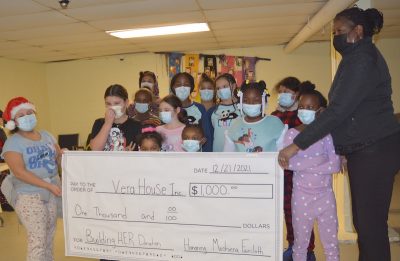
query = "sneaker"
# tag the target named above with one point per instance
(311, 256)
(287, 254)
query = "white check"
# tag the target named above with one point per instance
(173, 206)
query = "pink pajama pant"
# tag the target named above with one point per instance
(306, 209)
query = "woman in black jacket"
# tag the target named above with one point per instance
(361, 121)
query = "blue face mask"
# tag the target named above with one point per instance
(27, 122)
(191, 145)
(141, 107)
(252, 110)
(166, 116)
(306, 116)
(182, 92)
(224, 93)
(286, 99)
(206, 95)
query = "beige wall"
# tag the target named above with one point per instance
(70, 94)
(25, 79)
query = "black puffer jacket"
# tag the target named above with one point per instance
(360, 110)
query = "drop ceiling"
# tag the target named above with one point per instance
(41, 31)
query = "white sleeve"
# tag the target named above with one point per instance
(279, 142)
(229, 145)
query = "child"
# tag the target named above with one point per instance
(116, 131)
(174, 117)
(222, 116)
(288, 95)
(148, 80)
(313, 197)
(254, 132)
(149, 140)
(207, 91)
(193, 138)
(143, 100)
(182, 85)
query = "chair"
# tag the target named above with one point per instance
(69, 141)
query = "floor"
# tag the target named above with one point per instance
(13, 242)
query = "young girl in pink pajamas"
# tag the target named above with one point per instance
(313, 197)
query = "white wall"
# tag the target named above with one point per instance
(26, 79)
(69, 95)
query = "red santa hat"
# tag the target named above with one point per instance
(13, 106)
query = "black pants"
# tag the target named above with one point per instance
(371, 174)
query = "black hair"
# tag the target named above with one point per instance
(116, 90)
(153, 135)
(292, 83)
(308, 88)
(260, 86)
(185, 74)
(146, 92)
(195, 127)
(176, 103)
(205, 78)
(370, 19)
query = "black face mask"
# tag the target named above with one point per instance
(340, 43)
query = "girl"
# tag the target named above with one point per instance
(148, 80)
(254, 132)
(193, 138)
(149, 140)
(222, 116)
(174, 117)
(143, 99)
(32, 157)
(207, 91)
(313, 197)
(182, 85)
(288, 94)
(116, 131)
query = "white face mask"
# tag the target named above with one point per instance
(118, 111)
(182, 92)
(147, 85)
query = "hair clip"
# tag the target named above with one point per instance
(148, 129)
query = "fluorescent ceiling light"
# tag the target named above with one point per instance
(163, 30)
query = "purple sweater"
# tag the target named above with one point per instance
(313, 167)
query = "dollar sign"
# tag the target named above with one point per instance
(194, 190)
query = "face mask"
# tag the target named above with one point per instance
(306, 116)
(141, 107)
(27, 122)
(182, 92)
(206, 95)
(340, 43)
(118, 111)
(166, 116)
(252, 110)
(285, 99)
(191, 145)
(147, 85)
(224, 93)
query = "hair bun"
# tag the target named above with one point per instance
(306, 86)
(374, 19)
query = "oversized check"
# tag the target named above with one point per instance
(173, 206)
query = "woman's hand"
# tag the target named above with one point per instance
(286, 153)
(56, 190)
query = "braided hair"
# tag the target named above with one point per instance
(260, 87)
